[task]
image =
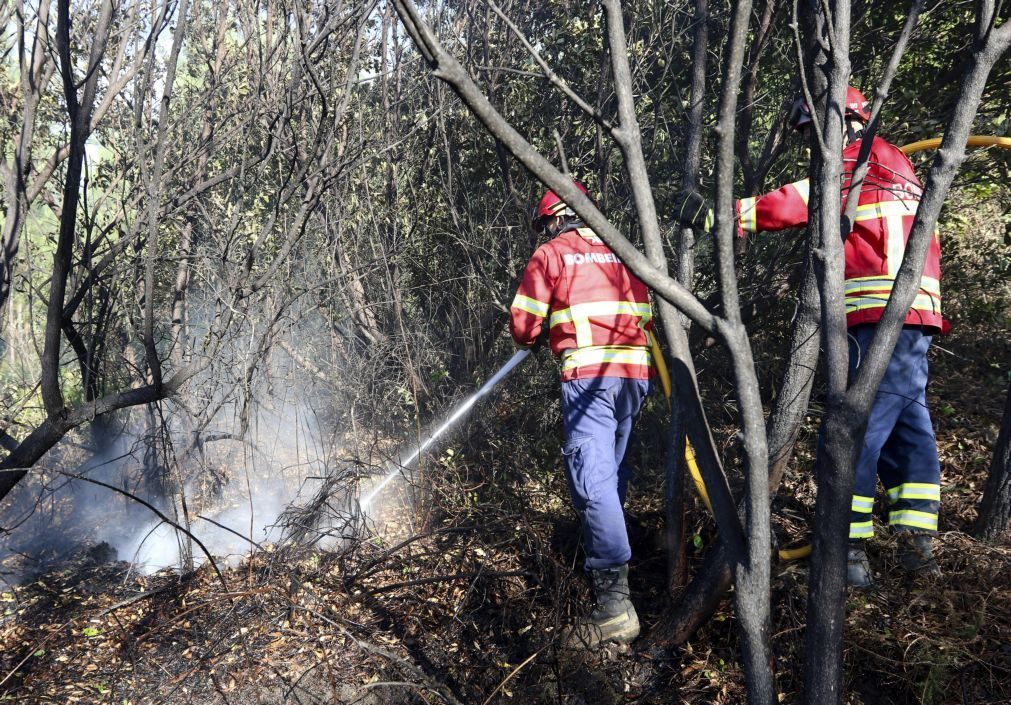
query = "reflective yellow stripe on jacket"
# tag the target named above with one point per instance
(886, 209)
(874, 292)
(605, 354)
(580, 314)
(859, 285)
(749, 214)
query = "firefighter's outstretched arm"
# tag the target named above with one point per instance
(786, 207)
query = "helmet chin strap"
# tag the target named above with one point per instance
(854, 131)
(559, 224)
(552, 226)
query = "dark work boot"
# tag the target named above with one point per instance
(916, 553)
(858, 568)
(613, 618)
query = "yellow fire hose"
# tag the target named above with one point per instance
(693, 466)
(974, 141)
(790, 554)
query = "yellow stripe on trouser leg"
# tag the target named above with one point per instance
(915, 490)
(863, 505)
(913, 519)
(861, 529)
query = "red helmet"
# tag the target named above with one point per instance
(552, 205)
(856, 107)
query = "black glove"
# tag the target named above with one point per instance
(690, 208)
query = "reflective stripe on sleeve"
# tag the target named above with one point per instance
(525, 303)
(913, 518)
(749, 214)
(605, 354)
(863, 505)
(803, 188)
(915, 490)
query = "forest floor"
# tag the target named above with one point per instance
(461, 599)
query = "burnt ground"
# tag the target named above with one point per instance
(462, 596)
(464, 604)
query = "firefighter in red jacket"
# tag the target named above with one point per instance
(899, 445)
(598, 320)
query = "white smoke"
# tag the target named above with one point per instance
(266, 472)
(229, 533)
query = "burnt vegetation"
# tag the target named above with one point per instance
(255, 252)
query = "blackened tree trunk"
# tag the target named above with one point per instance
(79, 107)
(994, 522)
(751, 574)
(826, 33)
(714, 578)
(675, 475)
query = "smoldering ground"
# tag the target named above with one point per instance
(100, 499)
(236, 465)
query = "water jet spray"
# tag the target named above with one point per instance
(458, 413)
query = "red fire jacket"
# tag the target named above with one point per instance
(888, 202)
(600, 316)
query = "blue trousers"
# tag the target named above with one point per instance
(598, 416)
(899, 445)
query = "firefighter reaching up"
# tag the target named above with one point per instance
(899, 444)
(598, 320)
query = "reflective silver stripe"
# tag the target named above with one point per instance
(749, 214)
(911, 517)
(861, 529)
(605, 354)
(895, 238)
(803, 188)
(929, 285)
(915, 490)
(525, 303)
(863, 505)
